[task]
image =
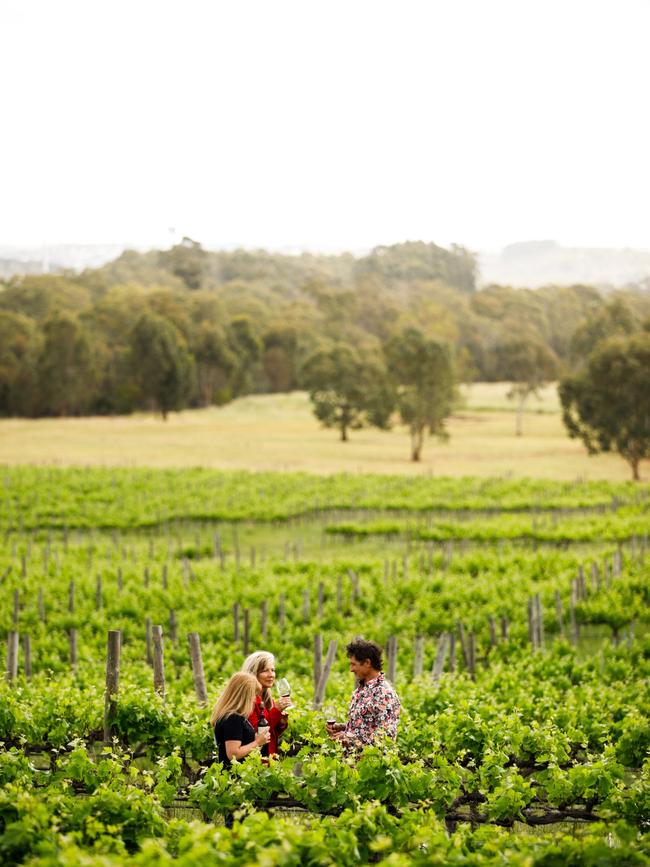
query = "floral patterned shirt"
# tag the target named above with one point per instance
(374, 709)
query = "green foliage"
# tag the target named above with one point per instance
(607, 405)
(348, 388)
(423, 371)
(416, 260)
(292, 306)
(188, 261)
(528, 364)
(554, 735)
(162, 365)
(66, 368)
(19, 348)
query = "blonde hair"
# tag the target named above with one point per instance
(256, 663)
(238, 697)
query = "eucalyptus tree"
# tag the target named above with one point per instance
(607, 404)
(422, 369)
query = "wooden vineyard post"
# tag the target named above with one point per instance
(72, 639)
(441, 653)
(27, 656)
(71, 597)
(16, 609)
(559, 613)
(305, 606)
(392, 658)
(595, 577)
(318, 658)
(532, 626)
(505, 628)
(418, 660)
(386, 572)
(217, 546)
(98, 593)
(147, 638)
(282, 611)
(539, 620)
(12, 655)
(452, 653)
(321, 600)
(493, 631)
(172, 626)
(471, 646)
(197, 668)
(264, 607)
(235, 623)
(354, 578)
(158, 661)
(145, 577)
(246, 631)
(575, 629)
(165, 576)
(325, 673)
(112, 682)
(463, 644)
(41, 605)
(120, 580)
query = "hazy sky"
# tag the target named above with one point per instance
(325, 125)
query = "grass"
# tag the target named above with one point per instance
(278, 432)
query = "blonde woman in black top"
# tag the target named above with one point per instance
(234, 735)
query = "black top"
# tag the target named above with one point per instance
(232, 728)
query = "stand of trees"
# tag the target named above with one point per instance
(369, 337)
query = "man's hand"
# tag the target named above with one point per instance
(336, 731)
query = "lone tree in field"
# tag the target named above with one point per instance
(162, 365)
(607, 404)
(349, 389)
(423, 371)
(528, 364)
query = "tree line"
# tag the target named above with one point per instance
(366, 336)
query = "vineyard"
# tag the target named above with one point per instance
(515, 616)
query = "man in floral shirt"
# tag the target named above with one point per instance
(374, 706)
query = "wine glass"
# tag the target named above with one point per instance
(283, 687)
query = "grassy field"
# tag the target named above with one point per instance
(278, 432)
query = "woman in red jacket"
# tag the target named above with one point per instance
(262, 665)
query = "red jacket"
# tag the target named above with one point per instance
(276, 719)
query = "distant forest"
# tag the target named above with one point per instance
(188, 327)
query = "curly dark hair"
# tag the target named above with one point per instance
(362, 650)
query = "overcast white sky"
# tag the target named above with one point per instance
(325, 124)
